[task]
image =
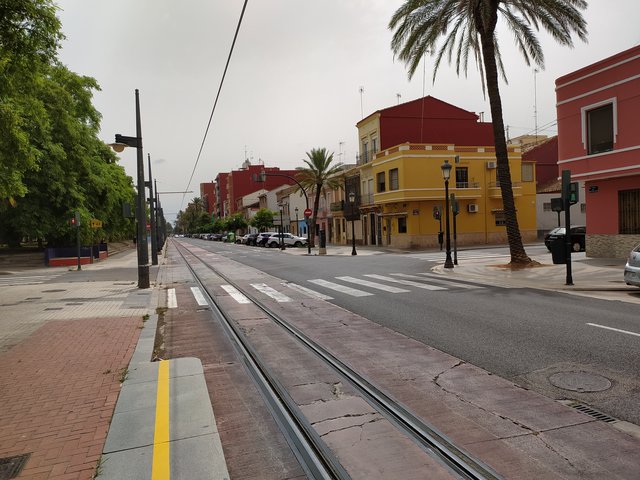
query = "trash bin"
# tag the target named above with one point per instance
(231, 237)
(559, 250)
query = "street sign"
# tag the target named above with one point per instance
(95, 223)
(307, 212)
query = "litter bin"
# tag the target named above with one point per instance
(231, 237)
(559, 250)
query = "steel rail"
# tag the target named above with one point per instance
(428, 437)
(316, 459)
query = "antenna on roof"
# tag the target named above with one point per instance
(398, 95)
(361, 108)
(535, 102)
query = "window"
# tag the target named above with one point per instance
(629, 211)
(380, 181)
(600, 129)
(583, 208)
(527, 172)
(374, 145)
(500, 219)
(393, 179)
(462, 177)
(402, 224)
(546, 207)
(365, 151)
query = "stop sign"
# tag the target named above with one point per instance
(307, 212)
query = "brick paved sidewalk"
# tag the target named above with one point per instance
(58, 389)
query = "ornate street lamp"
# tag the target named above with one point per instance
(297, 224)
(446, 173)
(141, 213)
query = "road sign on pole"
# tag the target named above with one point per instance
(307, 212)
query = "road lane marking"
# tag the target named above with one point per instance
(437, 279)
(614, 329)
(172, 301)
(354, 292)
(426, 286)
(160, 469)
(307, 291)
(235, 294)
(376, 285)
(197, 293)
(271, 292)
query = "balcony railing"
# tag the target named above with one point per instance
(467, 184)
(366, 199)
(337, 206)
(497, 184)
(365, 156)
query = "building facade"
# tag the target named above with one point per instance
(401, 186)
(599, 142)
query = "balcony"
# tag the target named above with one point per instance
(365, 156)
(337, 206)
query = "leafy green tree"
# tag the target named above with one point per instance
(469, 27)
(319, 174)
(263, 219)
(237, 222)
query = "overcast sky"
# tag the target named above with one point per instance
(294, 78)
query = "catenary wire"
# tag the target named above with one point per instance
(206, 132)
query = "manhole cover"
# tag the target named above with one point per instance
(580, 381)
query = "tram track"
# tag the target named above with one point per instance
(315, 456)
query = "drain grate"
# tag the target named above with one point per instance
(592, 412)
(10, 467)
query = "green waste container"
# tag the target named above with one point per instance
(231, 237)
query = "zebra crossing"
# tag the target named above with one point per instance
(365, 285)
(464, 255)
(15, 280)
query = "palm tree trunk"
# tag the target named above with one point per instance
(314, 217)
(516, 248)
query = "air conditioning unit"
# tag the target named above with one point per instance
(492, 164)
(472, 208)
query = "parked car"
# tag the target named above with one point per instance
(288, 239)
(216, 237)
(261, 239)
(632, 268)
(250, 238)
(578, 235)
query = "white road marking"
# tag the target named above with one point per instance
(272, 292)
(341, 288)
(379, 286)
(437, 279)
(406, 282)
(235, 294)
(197, 293)
(307, 291)
(172, 300)
(614, 329)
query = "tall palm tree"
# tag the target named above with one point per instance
(469, 27)
(319, 174)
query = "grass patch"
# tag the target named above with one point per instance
(124, 373)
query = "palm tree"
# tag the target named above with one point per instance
(469, 26)
(318, 175)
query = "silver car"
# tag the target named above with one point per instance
(632, 268)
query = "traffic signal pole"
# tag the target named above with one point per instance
(566, 198)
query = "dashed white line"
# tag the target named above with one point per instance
(235, 294)
(340, 288)
(197, 293)
(271, 292)
(172, 301)
(614, 329)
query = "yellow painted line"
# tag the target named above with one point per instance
(161, 469)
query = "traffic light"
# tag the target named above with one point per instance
(574, 193)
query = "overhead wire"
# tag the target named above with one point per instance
(235, 37)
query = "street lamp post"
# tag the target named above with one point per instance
(141, 214)
(152, 217)
(446, 173)
(281, 227)
(297, 224)
(352, 201)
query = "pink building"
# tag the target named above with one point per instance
(599, 142)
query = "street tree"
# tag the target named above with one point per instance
(319, 174)
(469, 29)
(263, 219)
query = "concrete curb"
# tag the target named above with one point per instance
(194, 443)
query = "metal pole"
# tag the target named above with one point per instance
(78, 242)
(353, 237)
(143, 253)
(159, 235)
(448, 263)
(152, 216)
(566, 180)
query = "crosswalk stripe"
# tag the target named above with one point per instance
(172, 301)
(436, 279)
(406, 282)
(376, 285)
(235, 294)
(197, 293)
(340, 288)
(272, 292)
(307, 291)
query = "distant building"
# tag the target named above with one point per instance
(599, 142)
(208, 195)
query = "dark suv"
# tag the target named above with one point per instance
(578, 235)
